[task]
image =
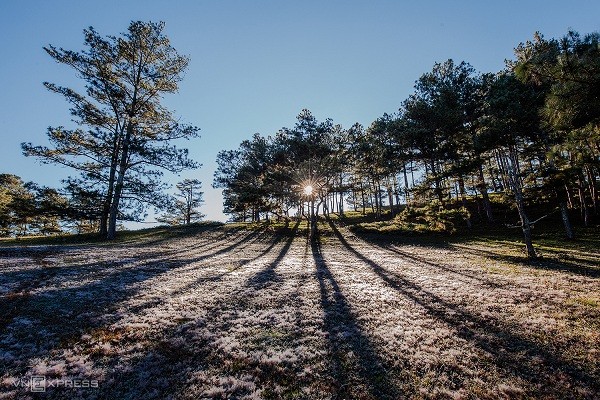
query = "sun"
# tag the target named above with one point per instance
(308, 190)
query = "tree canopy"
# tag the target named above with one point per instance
(123, 140)
(529, 132)
(511, 147)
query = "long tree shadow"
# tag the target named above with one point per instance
(345, 335)
(513, 353)
(542, 264)
(574, 267)
(268, 274)
(245, 239)
(62, 314)
(166, 357)
(236, 247)
(424, 261)
(161, 236)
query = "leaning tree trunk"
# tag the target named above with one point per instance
(515, 183)
(525, 225)
(503, 169)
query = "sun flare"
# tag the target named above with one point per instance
(308, 190)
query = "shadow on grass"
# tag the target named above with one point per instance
(246, 239)
(365, 367)
(41, 320)
(267, 275)
(154, 235)
(424, 261)
(456, 242)
(511, 352)
(176, 360)
(540, 263)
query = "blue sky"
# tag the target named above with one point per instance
(256, 64)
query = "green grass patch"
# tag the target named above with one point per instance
(292, 226)
(587, 301)
(155, 233)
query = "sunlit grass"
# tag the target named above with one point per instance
(160, 232)
(273, 316)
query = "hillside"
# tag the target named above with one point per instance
(227, 312)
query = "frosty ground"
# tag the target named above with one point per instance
(227, 312)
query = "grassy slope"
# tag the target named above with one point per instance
(161, 232)
(446, 315)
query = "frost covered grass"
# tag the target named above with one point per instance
(230, 312)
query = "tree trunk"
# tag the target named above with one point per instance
(437, 184)
(379, 198)
(526, 229)
(484, 194)
(396, 187)
(110, 190)
(592, 188)
(103, 226)
(569, 199)
(341, 201)
(502, 168)
(376, 199)
(391, 199)
(515, 184)
(334, 202)
(114, 206)
(463, 196)
(585, 214)
(406, 199)
(313, 221)
(493, 177)
(364, 201)
(373, 201)
(564, 213)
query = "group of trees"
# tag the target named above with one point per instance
(183, 209)
(267, 175)
(123, 140)
(530, 132)
(27, 208)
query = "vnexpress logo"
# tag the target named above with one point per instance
(38, 383)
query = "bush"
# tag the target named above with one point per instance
(426, 219)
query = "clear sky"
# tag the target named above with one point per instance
(256, 64)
